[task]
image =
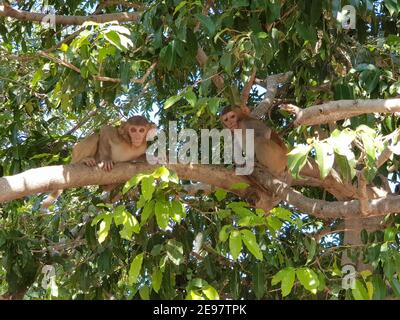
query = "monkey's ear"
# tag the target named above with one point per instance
(121, 128)
(245, 109)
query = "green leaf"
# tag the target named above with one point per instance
(114, 38)
(258, 280)
(226, 62)
(171, 101)
(250, 242)
(286, 277)
(379, 286)
(156, 279)
(392, 6)
(325, 157)
(395, 284)
(220, 194)
(178, 210)
(346, 167)
(235, 244)
(144, 293)
(134, 270)
(390, 234)
(174, 251)
(213, 105)
(162, 173)
(297, 158)
(308, 278)
(147, 212)
(179, 6)
(359, 292)
(133, 182)
(148, 187)
(162, 214)
(210, 293)
(335, 269)
(369, 146)
(208, 23)
(312, 247)
(191, 97)
(130, 226)
(274, 223)
(105, 225)
(224, 232)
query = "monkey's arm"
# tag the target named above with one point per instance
(104, 155)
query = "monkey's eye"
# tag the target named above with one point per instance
(141, 130)
(132, 129)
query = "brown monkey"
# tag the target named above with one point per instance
(269, 148)
(124, 143)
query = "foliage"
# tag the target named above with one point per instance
(157, 241)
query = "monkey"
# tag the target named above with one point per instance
(111, 145)
(270, 150)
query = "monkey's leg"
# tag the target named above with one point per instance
(85, 149)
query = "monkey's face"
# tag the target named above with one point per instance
(137, 135)
(230, 120)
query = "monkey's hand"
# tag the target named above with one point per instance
(106, 165)
(90, 162)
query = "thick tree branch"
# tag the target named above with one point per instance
(271, 83)
(7, 11)
(341, 109)
(61, 177)
(325, 209)
(47, 179)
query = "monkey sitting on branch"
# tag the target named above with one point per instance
(111, 145)
(270, 150)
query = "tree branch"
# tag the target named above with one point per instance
(341, 109)
(110, 3)
(325, 209)
(47, 179)
(98, 78)
(7, 11)
(271, 83)
(51, 178)
(247, 88)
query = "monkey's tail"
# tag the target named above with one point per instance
(51, 198)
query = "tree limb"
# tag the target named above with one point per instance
(271, 83)
(110, 3)
(7, 11)
(47, 179)
(341, 109)
(51, 178)
(325, 209)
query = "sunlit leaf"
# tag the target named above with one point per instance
(135, 268)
